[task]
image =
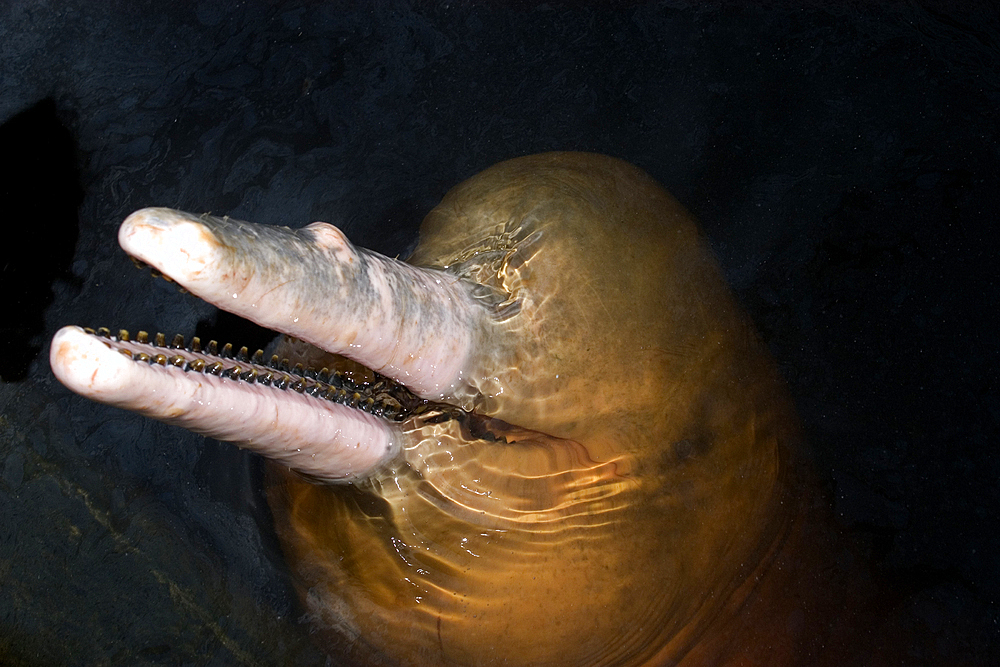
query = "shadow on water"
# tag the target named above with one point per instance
(39, 194)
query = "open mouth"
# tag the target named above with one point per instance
(327, 424)
(380, 397)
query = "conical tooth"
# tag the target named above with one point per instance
(138, 263)
(214, 368)
(142, 356)
(156, 273)
(160, 359)
(126, 352)
(227, 351)
(213, 348)
(103, 332)
(297, 386)
(323, 375)
(258, 357)
(284, 365)
(243, 354)
(275, 361)
(123, 335)
(197, 365)
(178, 342)
(249, 375)
(233, 373)
(177, 360)
(160, 340)
(265, 378)
(195, 345)
(89, 330)
(142, 337)
(298, 370)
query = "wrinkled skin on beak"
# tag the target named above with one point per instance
(596, 474)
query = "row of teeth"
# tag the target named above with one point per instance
(375, 398)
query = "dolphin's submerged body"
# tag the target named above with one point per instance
(590, 461)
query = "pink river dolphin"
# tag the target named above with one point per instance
(550, 437)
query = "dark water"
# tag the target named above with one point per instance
(842, 161)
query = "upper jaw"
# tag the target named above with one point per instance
(417, 326)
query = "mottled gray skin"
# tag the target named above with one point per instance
(295, 259)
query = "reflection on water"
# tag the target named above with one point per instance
(102, 565)
(628, 482)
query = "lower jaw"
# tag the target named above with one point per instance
(329, 425)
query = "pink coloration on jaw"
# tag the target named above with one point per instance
(313, 436)
(411, 324)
